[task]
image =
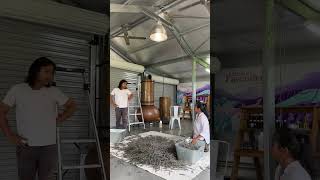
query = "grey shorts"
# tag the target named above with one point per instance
(36, 160)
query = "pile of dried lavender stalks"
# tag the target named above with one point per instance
(190, 146)
(154, 151)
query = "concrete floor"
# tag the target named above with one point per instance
(121, 170)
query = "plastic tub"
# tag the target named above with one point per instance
(188, 155)
(117, 135)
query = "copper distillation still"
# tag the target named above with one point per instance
(149, 111)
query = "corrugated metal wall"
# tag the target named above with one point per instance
(164, 90)
(116, 75)
(20, 44)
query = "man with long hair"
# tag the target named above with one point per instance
(36, 103)
(119, 99)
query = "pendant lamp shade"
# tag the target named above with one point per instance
(158, 33)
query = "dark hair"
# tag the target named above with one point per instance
(202, 107)
(121, 82)
(286, 139)
(35, 69)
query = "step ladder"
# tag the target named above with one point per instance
(95, 140)
(135, 107)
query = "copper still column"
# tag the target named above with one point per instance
(147, 91)
(209, 104)
(150, 112)
(165, 104)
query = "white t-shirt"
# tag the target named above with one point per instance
(36, 112)
(201, 127)
(294, 171)
(121, 97)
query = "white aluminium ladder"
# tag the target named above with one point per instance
(95, 140)
(133, 109)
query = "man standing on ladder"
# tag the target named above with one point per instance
(36, 103)
(119, 99)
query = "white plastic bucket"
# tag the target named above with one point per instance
(188, 155)
(117, 135)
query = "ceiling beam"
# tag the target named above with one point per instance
(148, 45)
(124, 55)
(203, 43)
(203, 63)
(189, 17)
(144, 19)
(181, 40)
(175, 60)
(300, 8)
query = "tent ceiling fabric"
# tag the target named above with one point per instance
(145, 52)
(238, 29)
(117, 19)
(183, 69)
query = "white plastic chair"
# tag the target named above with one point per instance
(175, 115)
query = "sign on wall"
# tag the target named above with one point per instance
(296, 84)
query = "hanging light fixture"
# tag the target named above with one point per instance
(313, 26)
(158, 33)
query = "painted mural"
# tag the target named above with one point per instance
(296, 84)
(185, 89)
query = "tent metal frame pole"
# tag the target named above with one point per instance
(268, 88)
(194, 87)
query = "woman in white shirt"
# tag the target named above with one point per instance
(285, 150)
(201, 130)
